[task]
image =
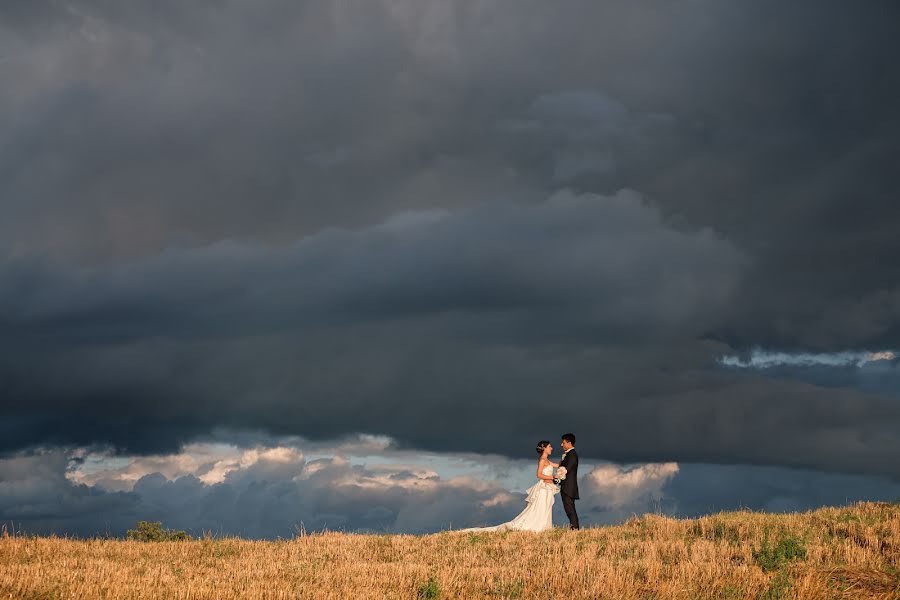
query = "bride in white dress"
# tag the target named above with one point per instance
(538, 513)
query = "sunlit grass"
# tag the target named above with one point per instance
(849, 552)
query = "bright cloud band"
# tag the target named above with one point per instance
(761, 359)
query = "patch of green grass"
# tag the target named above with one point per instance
(847, 517)
(475, 538)
(430, 589)
(773, 557)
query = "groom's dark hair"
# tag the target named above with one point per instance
(569, 437)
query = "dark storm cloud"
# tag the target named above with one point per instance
(377, 330)
(321, 218)
(610, 260)
(497, 314)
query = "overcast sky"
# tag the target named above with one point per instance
(239, 237)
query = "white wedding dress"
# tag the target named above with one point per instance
(538, 513)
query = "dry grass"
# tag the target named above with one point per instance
(837, 553)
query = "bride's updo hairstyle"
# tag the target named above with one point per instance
(541, 445)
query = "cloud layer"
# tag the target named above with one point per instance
(460, 318)
(370, 485)
(463, 226)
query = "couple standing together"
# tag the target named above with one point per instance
(553, 478)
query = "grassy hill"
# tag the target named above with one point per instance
(851, 552)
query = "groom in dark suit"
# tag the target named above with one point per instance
(568, 488)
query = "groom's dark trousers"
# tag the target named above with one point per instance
(568, 489)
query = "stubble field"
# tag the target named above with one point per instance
(851, 552)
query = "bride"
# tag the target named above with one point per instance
(538, 513)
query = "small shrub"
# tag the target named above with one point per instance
(152, 531)
(430, 589)
(772, 558)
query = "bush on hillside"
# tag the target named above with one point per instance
(148, 531)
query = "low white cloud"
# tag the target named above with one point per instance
(761, 359)
(361, 482)
(367, 466)
(260, 492)
(212, 461)
(267, 491)
(612, 486)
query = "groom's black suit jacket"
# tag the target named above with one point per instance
(569, 485)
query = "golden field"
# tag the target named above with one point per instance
(851, 552)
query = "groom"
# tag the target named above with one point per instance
(568, 488)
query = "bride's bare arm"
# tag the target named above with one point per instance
(553, 464)
(541, 464)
